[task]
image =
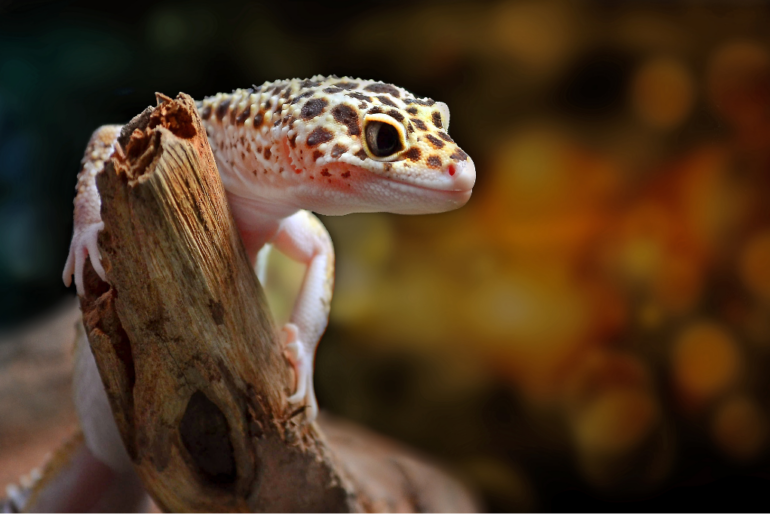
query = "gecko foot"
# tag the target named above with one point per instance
(84, 244)
(302, 362)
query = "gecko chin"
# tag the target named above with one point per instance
(434, 201)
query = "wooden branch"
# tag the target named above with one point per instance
(189, 357)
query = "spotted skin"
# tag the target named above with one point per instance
(283, 150)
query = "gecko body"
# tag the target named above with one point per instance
(286, 149)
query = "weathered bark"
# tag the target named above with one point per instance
(189, 357)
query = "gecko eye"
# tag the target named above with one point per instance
(384, 137)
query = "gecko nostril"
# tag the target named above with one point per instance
(451, 170)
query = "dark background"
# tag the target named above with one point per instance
(592, 332)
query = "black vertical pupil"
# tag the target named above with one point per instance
(382, 138)
(387, 137)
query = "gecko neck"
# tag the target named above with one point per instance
(257, 221)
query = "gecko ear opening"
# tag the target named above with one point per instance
(384, 137)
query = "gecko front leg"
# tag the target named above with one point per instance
(88, 219)
(304, 238)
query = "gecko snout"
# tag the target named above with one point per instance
(463, 175)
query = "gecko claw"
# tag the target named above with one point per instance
(84, 244)
(69, 269)
(303, 371)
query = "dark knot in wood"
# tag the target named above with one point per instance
(205, 434)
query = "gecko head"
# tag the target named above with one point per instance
(370, 146)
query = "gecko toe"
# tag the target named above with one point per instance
(69, 269)
(299, 395)
(303, 370)
(84, 245)
(93, 252)
(80, 259)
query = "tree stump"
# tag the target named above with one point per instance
(188, 353)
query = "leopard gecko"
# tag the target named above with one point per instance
(284, 150)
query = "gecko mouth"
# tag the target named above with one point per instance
(439, 191)
(455, 188)
(463, 177)
(441, 199)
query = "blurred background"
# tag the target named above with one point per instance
(591, 332)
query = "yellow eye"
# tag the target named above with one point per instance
(383, 136)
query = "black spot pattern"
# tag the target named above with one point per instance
(318, 136)
(419, 124)
(338, 150)
(347, 116)
(385, 100)
(427, 102)
(434, 162)
(313, 108)
(222, 109)
(299, 97)
(436, 116)
(413, 154)
(245, 114)
(459, 155)
(359, 96)
(437, 143)
(383, 88)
